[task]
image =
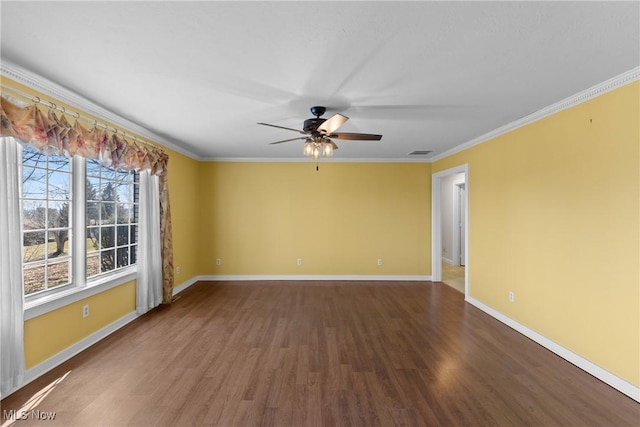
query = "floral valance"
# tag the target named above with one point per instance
(52, 133)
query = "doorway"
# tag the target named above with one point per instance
(449, 251)
(460, 201)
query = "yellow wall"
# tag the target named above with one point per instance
(51, 333)
(259, 218)
(554, 217)
(183, 195)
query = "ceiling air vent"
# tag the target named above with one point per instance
(420, 152)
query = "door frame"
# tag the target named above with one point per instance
(436, 223)
(458, 213)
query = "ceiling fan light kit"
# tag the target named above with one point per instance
(318, 133)
(319, 147)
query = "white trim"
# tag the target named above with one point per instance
(56, 91)
(607, 377)
(184, 285)
(455, 224)
(58, 300)
(436, 223)
(78, 220)
(66, 354)
(67, 96)
(578, 98)
(257, 277)
(447, 260)
(303, 159)
(62, 300)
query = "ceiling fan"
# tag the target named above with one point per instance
(318, 133)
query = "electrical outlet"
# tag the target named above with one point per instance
(299, 261)
(512, 297)
(218, 262)
(178, 270)
(379, 261)
(85, 311)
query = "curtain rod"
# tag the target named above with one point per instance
(75, 114)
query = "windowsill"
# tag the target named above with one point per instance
(45, 304)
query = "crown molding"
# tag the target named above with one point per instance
(60, 93)
(578, 98)
(55, 91)
(309, 160)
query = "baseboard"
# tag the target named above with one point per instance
(66, 354)
(241, 277)
(184, 285)
(447, 260)
(607, 377)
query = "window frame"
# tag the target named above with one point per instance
(80, 287)
(45, 227)
(117, 205)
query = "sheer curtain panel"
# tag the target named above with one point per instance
(149, 282)
(12, 366)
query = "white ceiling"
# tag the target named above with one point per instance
(426, 75)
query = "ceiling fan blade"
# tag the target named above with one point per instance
(282, 127)
(356, 136)
(332, 123)
(287, 140)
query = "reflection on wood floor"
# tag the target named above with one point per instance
(453, 276)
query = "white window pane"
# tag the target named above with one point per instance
(92, 215)
(107, 213)
(123, 235)
(34, 182)
(59, 185)
(59, 163)
(107, 237)
(107, 191)
(125, 213)
(58, 214)
(34, 278)
(93, 187)
(47, 207)
(124, 193)
(33, 214)
(32, 157)
(93, 264)
(122, 257)
(93, 168)
(108, 174)
(107, 261)
(46, 203)
(34, 246)
(58, 272)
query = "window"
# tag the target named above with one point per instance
(46, 197)
(91, 233)
(111, 218)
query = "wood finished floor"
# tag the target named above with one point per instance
(453, 275)
(321, 354)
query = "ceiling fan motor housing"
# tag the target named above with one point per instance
(310, 125)
(318, 111)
